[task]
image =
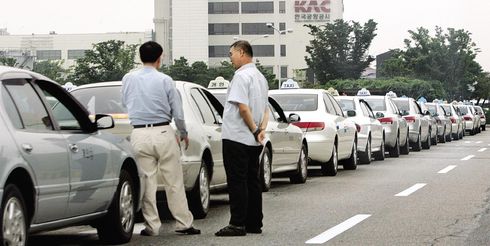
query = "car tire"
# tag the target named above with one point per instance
(266, 170)
(14, 217)
(199, 196)
(302, 174)
(330, 167)
(395, 150)
(365, 156)
(380, 155)
(483, 128)
(426, 143)
(406, 148)
(117, 226)
(417, 146)
(351, 163)
(442, 139)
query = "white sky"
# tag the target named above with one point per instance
(394, 18)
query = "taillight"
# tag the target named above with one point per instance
(358, 127)
(310, 126)
(409, 119)
(482, 115)
(453, 119)
(386, 120)
(468, 118)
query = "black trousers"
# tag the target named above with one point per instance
(242, 174)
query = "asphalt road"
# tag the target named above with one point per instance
(433, 197)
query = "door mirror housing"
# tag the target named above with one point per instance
(104, 121)
(351, 113)
(294, 118)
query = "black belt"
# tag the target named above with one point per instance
(151, 125)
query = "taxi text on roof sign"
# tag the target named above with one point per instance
(391, 94)
(363, 92)
(219, 82)
(289, 84)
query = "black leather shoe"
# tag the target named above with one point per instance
(231, 231)
(146, 233)
(190, 231)
(253, 230)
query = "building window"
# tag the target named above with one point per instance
(283, 50)
(219, 51)
(223, 8)
(284, 71)
(48, 54)
(256, 29)
(263, 50)
(76, 54)
(282, 27)
(282, 7)
(224, 29)
(257, 7)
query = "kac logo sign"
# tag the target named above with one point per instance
(312, 10)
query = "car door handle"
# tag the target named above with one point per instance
(27, 148)
(73, 148)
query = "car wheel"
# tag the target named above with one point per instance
(434, 140)
(395, 150)
(13, 217)
(351, 163)
(448, 136)
(380, 155)
(199, 197)
(266, 170)
(330, 167)
(117, 226)
(483, 128)
(426, 143)
(406, 148)
(365, 157)
(442, 139)
(302, 174)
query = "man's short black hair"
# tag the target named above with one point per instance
(150, 52)
(243, 45)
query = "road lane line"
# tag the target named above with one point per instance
(482, 149)
(467, 157)
(411, 190)
(467, 141)
(478, 142)
(338, 229)
(447, 169)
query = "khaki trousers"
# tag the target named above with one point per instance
(158, 156)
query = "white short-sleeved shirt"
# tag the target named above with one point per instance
(248, 87)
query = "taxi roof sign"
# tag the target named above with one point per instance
(363, 92)
(391, 94)
(290, 84)
(219, 82)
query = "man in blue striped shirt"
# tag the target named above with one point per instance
(152, 101)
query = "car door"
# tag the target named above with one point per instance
(42, 146)
(92, 176)
(376, 127)
(343, 132)
(278, 134)
(212, 132)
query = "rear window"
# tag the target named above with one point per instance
(447, 109)
(478, 110)
(463, 109)
(297, 102)
(221, 97)
(101, 100)
(402, 105)
(376, 104)
(432, 109)
(347, 104)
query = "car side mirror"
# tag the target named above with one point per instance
(294, 118)
(379, 115)
(351, 113)
(104, 121)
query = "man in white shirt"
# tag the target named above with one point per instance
(245, 118)
(152, 101)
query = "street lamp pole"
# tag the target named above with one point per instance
(278, 59)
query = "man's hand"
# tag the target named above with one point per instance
(261, 137)
(186, 141)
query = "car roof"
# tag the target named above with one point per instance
(297, 91)
(9, 72)
(119, 83)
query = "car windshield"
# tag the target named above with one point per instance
(297, 102)
(377, 104)
(347, 104)
(101, 100)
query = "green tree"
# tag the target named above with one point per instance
(107, 61)
(180, 70)
(8, 61)
(51, 69)
(338, 50)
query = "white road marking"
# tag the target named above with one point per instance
(411, 190)
(137, 229)
(482, 149)
(467, 157)
(447, 169)
(338, 229)
(478, 142)
(467, 141)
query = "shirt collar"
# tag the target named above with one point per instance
(248, 65)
